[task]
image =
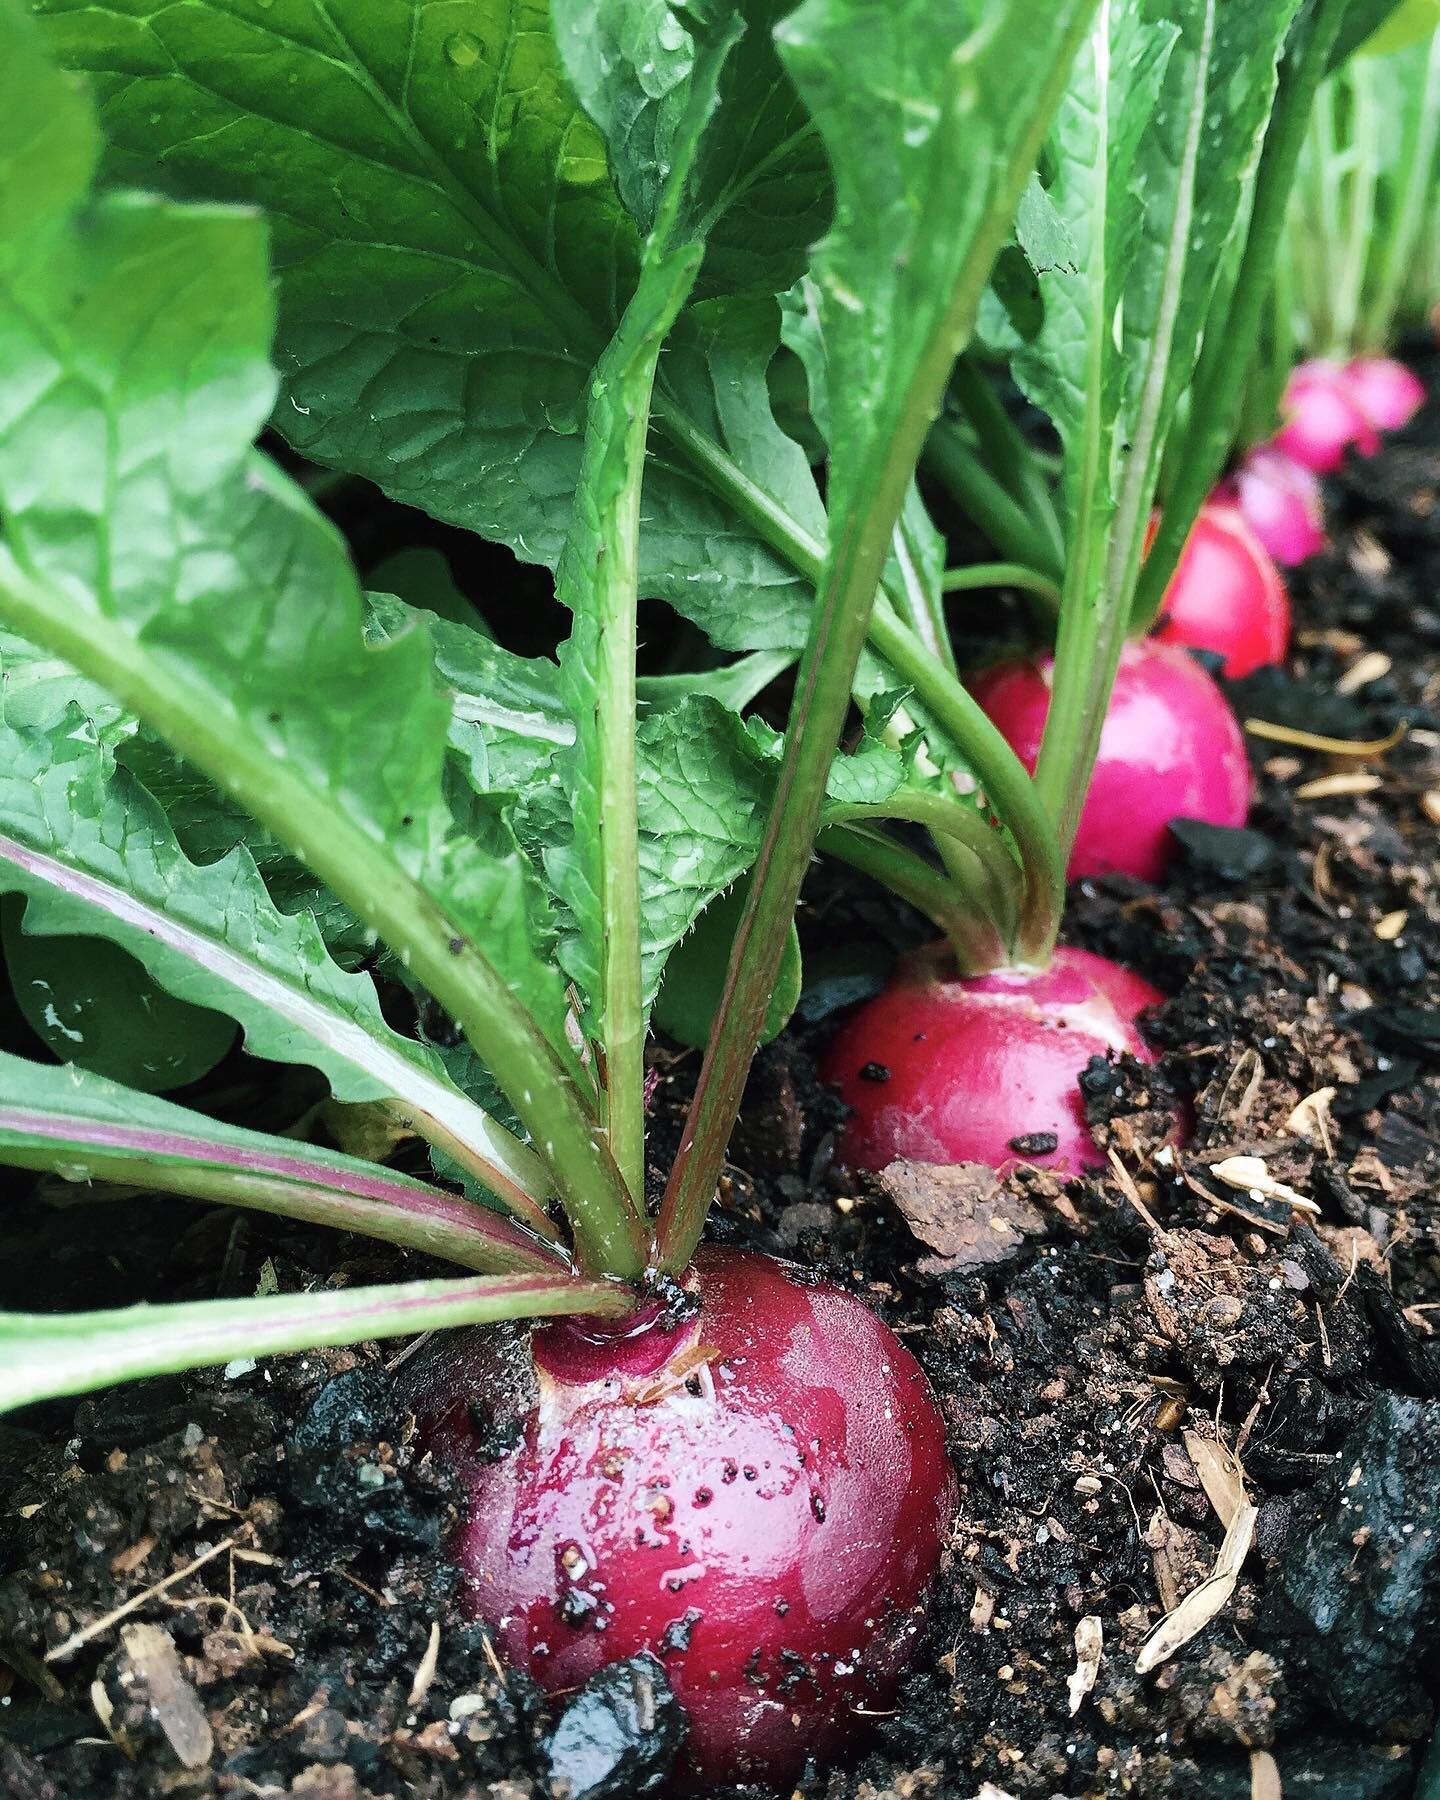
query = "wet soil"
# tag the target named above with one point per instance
(231, 1584)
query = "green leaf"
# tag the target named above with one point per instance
(95, 857)
(932, 117)
(86, 1128)
(149, 547)
(1155, 149)
(1410, 23)
(421, 577)
(1196, 172)
(208, 823)
(695, 976)
(52, 133)
(1375, 27)
(596, 868)
(1074, 368)
(45, 1355)
(759, 188)
(38, 691)
(712, 566)
(91, 1004)
(451, 254)
(507, 716)
(735, 685)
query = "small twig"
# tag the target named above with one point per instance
(1312, 740)
(1354, 1265)
(97, 1627)
(1126, 1184)
(497, 1668)
(363, 1586)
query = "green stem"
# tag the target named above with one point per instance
(954, 462)
(879, 476)
(1329, 174)
(988, 869)
(200, 725)
(760, 510)
(1008, 788)
(45, 1355)
(1230, 341)
(599, 580)
(924, 610)
(1009, 454)
(959, 913)
(995, 764)
(1360, 219)
(1401, 242)
(412, 1216)
(1002, 575)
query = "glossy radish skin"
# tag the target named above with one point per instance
(1280, 499)
(1322, 418)
(939, 1069)
(1170, 749)
(1226, 595)
(1386, 391)
(758, 1497)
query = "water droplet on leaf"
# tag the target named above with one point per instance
(463, 49)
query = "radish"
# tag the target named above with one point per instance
(1280, 499)
(940, 1069)
(1226, 595)
(1170, 749)
(757, 1495)
(1386, 391)
(1322, 418)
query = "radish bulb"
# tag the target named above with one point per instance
(940, 1069)
(1226, 595)
(1280, 499)
(1170, 749)
(758, 1496)
(1322, 418)
(1386, 391)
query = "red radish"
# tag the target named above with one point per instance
(1170, 749)
(758, 1497)
(1226, 595)
(1386, 391)
(939, 1069)
(1280, 499)
(1322, 418)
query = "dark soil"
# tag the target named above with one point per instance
(276, 1532)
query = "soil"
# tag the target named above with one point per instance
(251, 1559)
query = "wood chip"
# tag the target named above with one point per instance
(1430, 805)
(126, 1562)
(1375, 665)
(1202, 1603)
(1335, 787)
(105, 1712)
(1221, 1475)
(1311, 1119)
(152, 1668)
(425, 1673)
(1089, 1645)
(1249, 1174)
(1265, 1777)
(1312, 740)
(1390, 927)
(961, 1211)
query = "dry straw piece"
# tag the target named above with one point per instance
(1204, 1602)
